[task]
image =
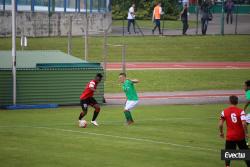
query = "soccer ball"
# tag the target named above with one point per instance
(83, 124)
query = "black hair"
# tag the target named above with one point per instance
(123, 74)
(247, 83)
(233, 100)
(99, 75)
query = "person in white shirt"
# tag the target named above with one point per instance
(131, 18)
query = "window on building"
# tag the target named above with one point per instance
(24, 5)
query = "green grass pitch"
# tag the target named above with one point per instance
(150, 48)
(163, 136)
(177, 80)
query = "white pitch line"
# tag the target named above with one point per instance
(122, 137)
(122, 122)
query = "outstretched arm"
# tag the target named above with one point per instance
(135, 80)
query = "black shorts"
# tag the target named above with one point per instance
(87, 102)
(231, 145)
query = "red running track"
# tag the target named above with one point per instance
(180, 65)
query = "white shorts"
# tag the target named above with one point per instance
(130, 105)
(248, 118)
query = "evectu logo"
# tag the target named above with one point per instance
(235, 154)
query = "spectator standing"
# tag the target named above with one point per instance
(184, 19)
(205, 12)
(131, 18)
(229, 7)
(157, 17)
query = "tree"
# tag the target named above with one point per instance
(144, 8)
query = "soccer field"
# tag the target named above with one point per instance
(177, 80)
(163, 136)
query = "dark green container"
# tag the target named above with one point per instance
(58, 83)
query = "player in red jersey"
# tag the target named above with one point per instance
(236, 127)
(87, 99)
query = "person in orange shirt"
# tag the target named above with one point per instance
(157, 17)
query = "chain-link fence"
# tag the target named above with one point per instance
(222, 21)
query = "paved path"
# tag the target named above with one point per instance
(180, 65)
(185, 97)
(214, 27)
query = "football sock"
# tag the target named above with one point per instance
(128, 115)
(95, 115)
(82, 114)
(131, 119)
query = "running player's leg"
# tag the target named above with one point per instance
(97, 108)
(230, 145)
(84, 105)
(128, 117)
(127, 111)
(243, 146)
(96, 112)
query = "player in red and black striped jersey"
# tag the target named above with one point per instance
(87, 99)
(237, 133)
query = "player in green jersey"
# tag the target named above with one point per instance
(247, 90)
(131, 94)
